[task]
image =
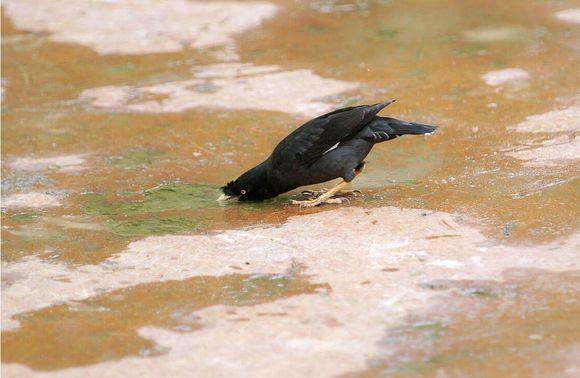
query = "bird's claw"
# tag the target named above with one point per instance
(314, 202)
(314, 197)
(308, 203)
(337, 200)
(340, 194)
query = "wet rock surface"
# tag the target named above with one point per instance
(375, 269)
(229, 86)
(449, 342)
(139, 27)
(30, 200)
(570, 15)
(119, 315)
(506, 76)
(561, 147)
(121, 120)
(70, 163)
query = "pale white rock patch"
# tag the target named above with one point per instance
(226, 85)
(33, 200)
(327, 333)
(342, 6)
(566, 119)
(451, 264)
(108, 97)
(494, 34)
(231, 70)
(65, 163)
(569, 15)
(553, 152)
(3, 85)
(505, 76)
(140, 26)
(563, 148)
(226, 54)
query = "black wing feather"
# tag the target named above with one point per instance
(309, 142)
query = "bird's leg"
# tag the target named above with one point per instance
(322, 198)
(340, 193)
(358, 169)
(326, 197)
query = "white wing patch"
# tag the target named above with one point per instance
(330, 149)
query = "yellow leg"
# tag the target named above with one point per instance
(325, 197)
(322, 198)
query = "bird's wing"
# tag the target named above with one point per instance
(311, 141)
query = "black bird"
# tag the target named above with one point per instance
(328, 147)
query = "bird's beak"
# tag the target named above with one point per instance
(224, 197)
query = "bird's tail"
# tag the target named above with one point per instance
(384, 128)
(398, 127)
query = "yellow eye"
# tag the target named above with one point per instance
(243, 192)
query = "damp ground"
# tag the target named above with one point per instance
(116, 141)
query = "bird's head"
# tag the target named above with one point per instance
(251, 186)
(233, 189)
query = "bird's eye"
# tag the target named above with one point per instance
(243, 192)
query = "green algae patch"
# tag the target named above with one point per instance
(431, 329)
(137, 159)
(123, 68)
(106, 327)
(156, 200)
(23, 217)
(387, 33)
(161, 211)
(152, 226)
(170, 209)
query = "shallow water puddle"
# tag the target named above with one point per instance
(132, 125)
(167, 209)
(56, 235)
(107, 327)
(163, 198)
(205, 146)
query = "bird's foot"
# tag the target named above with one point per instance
(317, 201)
(340, 194)
(323, 196)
